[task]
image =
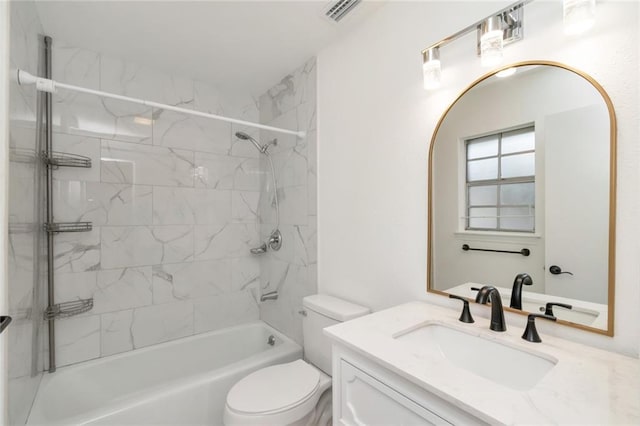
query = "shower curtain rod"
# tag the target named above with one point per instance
(48, 85)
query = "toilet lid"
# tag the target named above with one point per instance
(274, 388)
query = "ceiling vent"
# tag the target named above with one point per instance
(336, 10)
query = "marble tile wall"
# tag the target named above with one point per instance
(26, 255)
(292, 270)
(174, 205)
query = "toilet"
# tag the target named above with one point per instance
(296, 393)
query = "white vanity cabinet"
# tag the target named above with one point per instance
(365, 393)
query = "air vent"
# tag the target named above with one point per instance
(336, 10)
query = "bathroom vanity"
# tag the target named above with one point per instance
(417, 364)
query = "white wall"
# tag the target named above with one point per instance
(375, 124)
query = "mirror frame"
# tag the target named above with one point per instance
(612, 192)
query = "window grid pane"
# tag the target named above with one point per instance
(506, 177)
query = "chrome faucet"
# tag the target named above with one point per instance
(516, 292)
(497, 313)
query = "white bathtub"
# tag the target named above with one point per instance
(180, 382)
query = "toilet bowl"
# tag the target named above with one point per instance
(296, 393)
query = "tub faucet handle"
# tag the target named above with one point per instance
(302, 312)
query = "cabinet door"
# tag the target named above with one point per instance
(367, 401)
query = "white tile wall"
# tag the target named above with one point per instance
(173, 201)
(292, 270)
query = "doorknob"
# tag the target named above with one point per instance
(556, 270)
(5, 320)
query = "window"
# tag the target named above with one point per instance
(501, 181)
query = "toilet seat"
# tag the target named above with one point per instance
(273, 389)
(279, 394)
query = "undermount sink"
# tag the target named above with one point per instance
(491, 359)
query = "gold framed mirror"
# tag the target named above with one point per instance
(522, 194)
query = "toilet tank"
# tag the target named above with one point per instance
(324, 311)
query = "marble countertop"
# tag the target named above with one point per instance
(586, 386)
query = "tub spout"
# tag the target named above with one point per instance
(272, 295)
(259, 250)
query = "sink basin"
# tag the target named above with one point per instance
(491, 359)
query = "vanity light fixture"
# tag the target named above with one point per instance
(431, 69)
(578, 16)
(493, 33)
(491, 41)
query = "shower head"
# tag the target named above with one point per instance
(243, 136)
(262, 148)
(246, 137)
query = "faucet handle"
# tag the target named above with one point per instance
(465, 316)
(530, 333)
(549, 307)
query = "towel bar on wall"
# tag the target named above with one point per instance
(524, 251)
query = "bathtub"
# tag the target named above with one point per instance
(181, 382)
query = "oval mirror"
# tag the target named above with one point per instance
(522, 194)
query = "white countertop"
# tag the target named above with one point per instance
(586, 386)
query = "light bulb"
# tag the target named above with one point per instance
(491, 41)
(578, 16)
(431, 68)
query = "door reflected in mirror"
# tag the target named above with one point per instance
(522, 182)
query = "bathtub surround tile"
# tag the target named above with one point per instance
(161, 323)
(72, 64)
(129, 79)
(208, 98)
(285, 141)
(177, 130)
(79, 145)
(121, 289)
(312, 176)
(102, 203)
(292, 167)
(173, 206)
(293, 205)
(193, 280)
(292, 271)
(93, 116)
(245, 272)
(139, 164)
(225, 242)
(115, 333)
(145, 245)
(76, 66)
(72, 286)
(77, 251)
(224, 172)
(77, 339)
(224, 310)
(20, 340)
(244, 206)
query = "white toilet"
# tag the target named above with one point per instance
(294, 393)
